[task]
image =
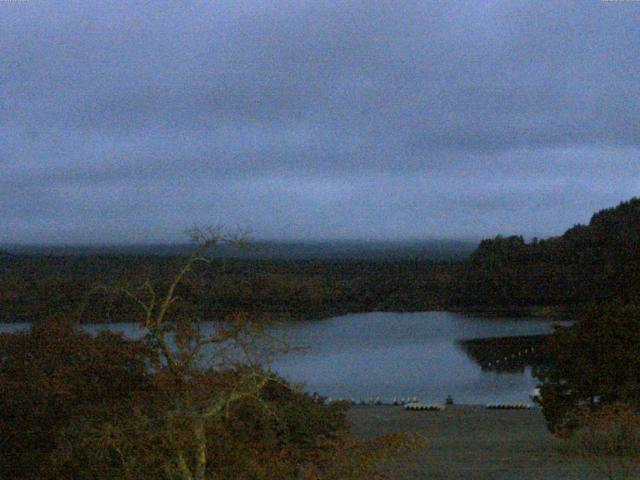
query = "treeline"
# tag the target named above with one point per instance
(33, 286)
(598, 262)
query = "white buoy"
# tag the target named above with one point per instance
(417, 406)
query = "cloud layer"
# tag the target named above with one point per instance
(128, 121)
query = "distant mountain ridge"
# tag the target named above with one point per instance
(588, 263)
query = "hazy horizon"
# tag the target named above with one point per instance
(268, 240)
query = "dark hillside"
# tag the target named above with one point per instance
(589, 263)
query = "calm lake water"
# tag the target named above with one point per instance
(390, 355)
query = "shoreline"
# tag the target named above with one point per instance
(551, 314)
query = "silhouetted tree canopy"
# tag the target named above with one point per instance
(597, 262)
(595, 362)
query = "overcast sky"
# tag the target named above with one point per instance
(129, 121)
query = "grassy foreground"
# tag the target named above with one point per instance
(471, 442)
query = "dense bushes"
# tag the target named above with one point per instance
(51, 375)
(271, 436)
(591, 388)
(82, 407)
(595, 363)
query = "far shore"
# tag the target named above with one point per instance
(550, 313)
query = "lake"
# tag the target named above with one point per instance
(391, 355)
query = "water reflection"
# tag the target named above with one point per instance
(405, 354)
(400, 354)
(507, 354)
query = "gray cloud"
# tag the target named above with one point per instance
(127, 121)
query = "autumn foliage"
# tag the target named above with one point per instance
(78, 406)
(53, 374)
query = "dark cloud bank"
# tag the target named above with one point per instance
(128, 121)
